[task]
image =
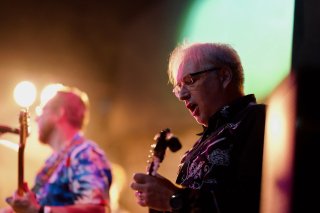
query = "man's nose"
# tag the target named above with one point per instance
(184, 93)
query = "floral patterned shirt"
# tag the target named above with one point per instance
(222, 172)
(79, 174)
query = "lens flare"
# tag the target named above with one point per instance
(25, 93)
(48, 92)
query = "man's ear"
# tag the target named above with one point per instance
(225, 77)
(60, 113)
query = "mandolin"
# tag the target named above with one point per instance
(163, 140)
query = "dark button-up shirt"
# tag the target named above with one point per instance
(223, 169)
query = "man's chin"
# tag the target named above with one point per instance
(200, 121)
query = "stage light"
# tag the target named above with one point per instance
(49, 91)
(46, 94)
(25, 94)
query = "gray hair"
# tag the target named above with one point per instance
(204, 56)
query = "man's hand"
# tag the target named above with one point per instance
(153, 191)
(26, 203)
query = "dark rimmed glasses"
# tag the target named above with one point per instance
(189, 80)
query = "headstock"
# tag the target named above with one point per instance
(163, 140)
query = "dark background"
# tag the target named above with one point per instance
(306, 66)
(116, 51)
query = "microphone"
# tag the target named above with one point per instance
(5, 129)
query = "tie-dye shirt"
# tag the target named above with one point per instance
(79, 174)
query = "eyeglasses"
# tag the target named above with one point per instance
(189, 80)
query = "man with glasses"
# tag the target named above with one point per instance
(222, 171)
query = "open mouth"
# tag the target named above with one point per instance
(193, 108)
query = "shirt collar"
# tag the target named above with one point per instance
(227, 112)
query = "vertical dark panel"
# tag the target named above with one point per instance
(306, 65)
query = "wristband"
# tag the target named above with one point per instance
(178, 199)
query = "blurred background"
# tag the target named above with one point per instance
(118, 52)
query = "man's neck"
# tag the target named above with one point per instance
(62, 139)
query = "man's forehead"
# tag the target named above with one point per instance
(43, 107)
(191, 66)
(52, 102)
(184, 69)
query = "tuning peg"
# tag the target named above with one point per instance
(174, 144)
